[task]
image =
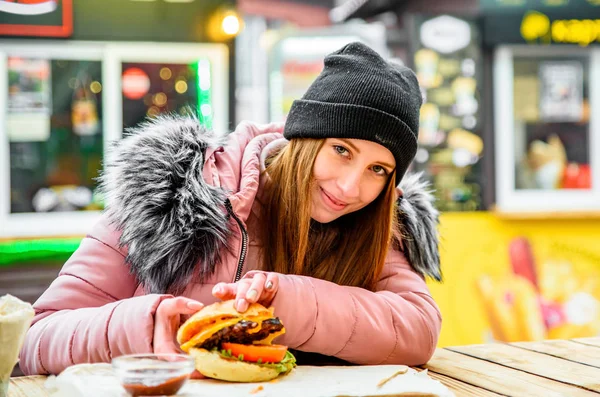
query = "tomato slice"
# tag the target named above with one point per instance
(254, 353)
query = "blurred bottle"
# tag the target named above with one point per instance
(84, 108)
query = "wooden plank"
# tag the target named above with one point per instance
(595, 341)
(28, 386)
(565, 349)
(460, 388)
(535, 363)
(497, 378)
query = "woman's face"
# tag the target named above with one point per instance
(348, 175)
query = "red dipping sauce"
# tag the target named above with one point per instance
(152, 387)
(153, 374)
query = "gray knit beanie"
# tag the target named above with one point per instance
(359, 95)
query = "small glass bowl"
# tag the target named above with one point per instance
(153, 374)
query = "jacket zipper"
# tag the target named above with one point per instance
(243, 251)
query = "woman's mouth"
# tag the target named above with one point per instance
(331, 202)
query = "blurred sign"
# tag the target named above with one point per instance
(537, 27)
(448, 64)
(52, 18)
(135, 83)
(445, 34)
(522, 5)
(561, 97)
(541, 22)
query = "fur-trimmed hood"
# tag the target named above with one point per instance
(171, 219)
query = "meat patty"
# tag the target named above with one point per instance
(238, 333)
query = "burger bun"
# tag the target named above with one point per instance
(212, 365)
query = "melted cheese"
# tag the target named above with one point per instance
(269, 339)
(207, 333)
(192, 327)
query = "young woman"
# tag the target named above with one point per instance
(304, 216)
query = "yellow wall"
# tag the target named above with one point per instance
(567, 260)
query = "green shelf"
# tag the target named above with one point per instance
(16, 251)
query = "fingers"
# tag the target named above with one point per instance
(164, 338)
(224, 291)
(241, 304)
(256, 288)
(236, 291)
(271, 287)
(165, 348)
(179, 305)
(167, 320)
(272, 283)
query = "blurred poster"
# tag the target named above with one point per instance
(539, 300)
(561, 97)
(296, 62)
(296, 76)
(526, 281)
(29, 99)
(447, 61)
(297, 57)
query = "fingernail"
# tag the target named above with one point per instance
(269, 284)
(217, 289)
(195, 305)
(242, 305)
(251, 294)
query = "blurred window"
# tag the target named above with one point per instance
(149, 89)
(551, 122)
(54, 128)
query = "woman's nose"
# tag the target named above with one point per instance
(349, 183)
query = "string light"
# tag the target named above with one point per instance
(223, 24)
(181, 86)
(160, 99)
(231, 25)
(165, 73)
(95, 87)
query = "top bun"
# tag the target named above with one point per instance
(217, 312)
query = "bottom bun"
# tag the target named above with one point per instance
(212, 365)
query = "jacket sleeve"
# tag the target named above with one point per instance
(89, 314)
(398, 324)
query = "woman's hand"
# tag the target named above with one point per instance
(255, 286)
(167, 321)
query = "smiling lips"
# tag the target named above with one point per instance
(331, 202)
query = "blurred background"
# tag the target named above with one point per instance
(509, 135)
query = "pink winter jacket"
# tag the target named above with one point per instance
(102, 303)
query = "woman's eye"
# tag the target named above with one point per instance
(340, 150)
(379, 170)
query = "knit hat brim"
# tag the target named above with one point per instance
(311, 119)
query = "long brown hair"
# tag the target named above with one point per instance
(348, 251)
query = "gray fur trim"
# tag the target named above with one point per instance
(419, 220)
(169, 217)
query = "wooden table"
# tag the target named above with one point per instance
(548, 368)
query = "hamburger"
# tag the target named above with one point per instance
(236, 347)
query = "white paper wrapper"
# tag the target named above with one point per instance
(93, 380)
(15, 319)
